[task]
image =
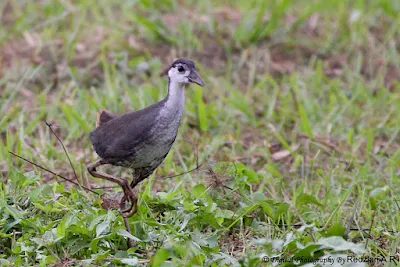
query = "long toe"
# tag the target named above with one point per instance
(122, 205)
(130, 196)
(132, 210)
(128, 209)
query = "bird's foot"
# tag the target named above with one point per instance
(123, 207)
(130, 196)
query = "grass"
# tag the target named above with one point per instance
(297, 129)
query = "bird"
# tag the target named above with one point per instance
(140, 140)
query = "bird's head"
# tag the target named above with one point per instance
(184, 71)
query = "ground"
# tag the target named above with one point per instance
(294, 139)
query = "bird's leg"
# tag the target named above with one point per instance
(138, 176)
(131, 210)
(128, 193)
(131, 242)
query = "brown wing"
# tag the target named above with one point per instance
(104, 116)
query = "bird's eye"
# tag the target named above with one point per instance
(181, 69)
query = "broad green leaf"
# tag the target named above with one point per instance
(303, 199)
(336, 230)
(337, 243)
(161, 255)
(101, 228)
(14, 212)
(124, 233)
(198, 190)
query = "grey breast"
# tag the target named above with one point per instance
(160, 138)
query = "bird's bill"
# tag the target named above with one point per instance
(194, 77)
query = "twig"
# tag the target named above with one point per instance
(65, 150)
(217, 182)
(320, 141)
(229, 188)
(183, 173)
(56, 174)
(198, 165)
(106, 187)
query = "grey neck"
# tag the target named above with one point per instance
(174, 102)
(176, 95)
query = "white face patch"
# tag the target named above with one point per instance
(178, 77)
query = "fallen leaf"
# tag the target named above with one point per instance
(284, 153)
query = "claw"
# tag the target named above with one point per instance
(131, 197)
(132, 211)
(122, 205)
